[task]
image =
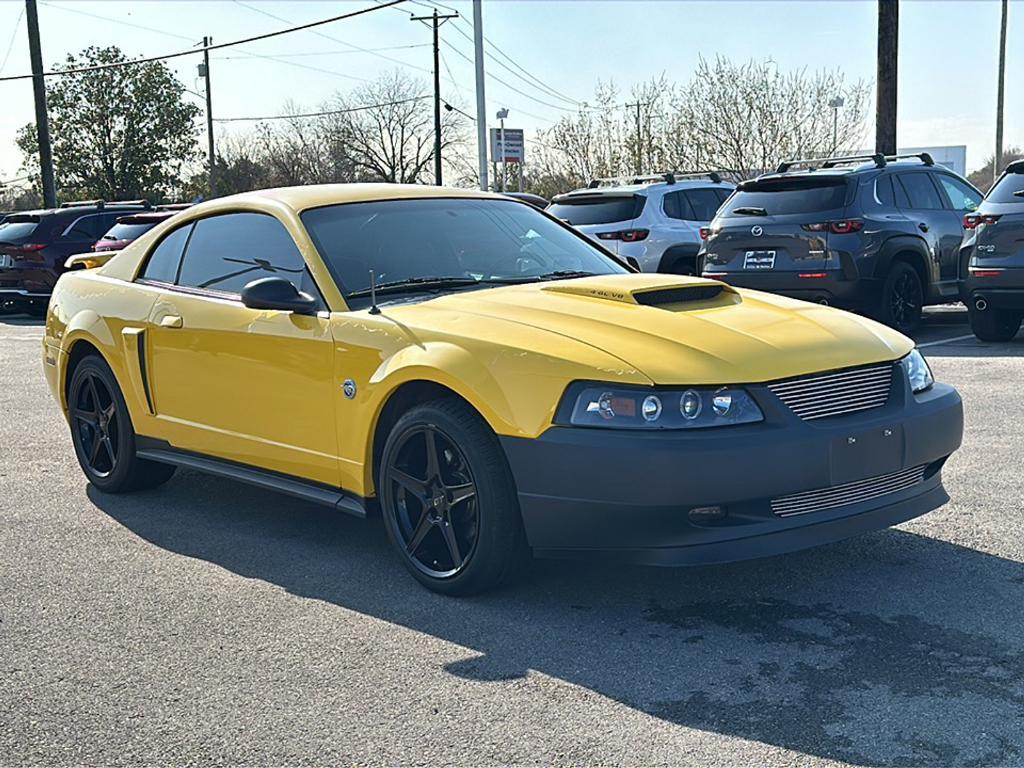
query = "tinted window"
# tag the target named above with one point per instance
(13, 231)
(784, 196)
(703, 203)
(961, 196)
(86, 228)
(919, 188)
(468, 238)
(163, 262)
(723, 194)
(676, 206)
(227, 252)
(127, 231)
(600, 209)
(1002, 192)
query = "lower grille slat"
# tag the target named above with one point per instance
(820, 396)
(847, 493)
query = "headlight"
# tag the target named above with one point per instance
(918, 372)
(602, 405)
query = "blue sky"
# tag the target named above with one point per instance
(947, 65)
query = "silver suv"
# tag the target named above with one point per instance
(659, 220)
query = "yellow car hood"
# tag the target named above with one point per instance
(679, 330)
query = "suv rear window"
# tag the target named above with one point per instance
(782, 196)
(14, 230)
(127, 231)
(599, 209)
(1002, 192)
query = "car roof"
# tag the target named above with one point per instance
(318, 195)
(632, 189)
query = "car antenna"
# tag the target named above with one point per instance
(374, 309)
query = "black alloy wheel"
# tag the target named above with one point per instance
(94, 419)
(902, 298)
(103, 434)
(449, 500)
(435, 501)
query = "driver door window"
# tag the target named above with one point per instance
(961, 196)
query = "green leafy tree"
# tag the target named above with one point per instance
(118, 133)
(983, 177)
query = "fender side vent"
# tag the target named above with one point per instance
(140, 340)
(678, 295)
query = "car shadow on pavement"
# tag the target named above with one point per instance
(890, 649)
(22, 320)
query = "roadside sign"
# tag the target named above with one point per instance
(515, 146)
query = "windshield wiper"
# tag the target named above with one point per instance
(559, 274)
(417, 283)
(747, 210)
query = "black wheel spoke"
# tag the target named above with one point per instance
(461, 493)
(422, 529)
(94, 395)
(452, 543)
(86, 418)
(109, 447)
(94, 450)
(417, 487)
(433, 464)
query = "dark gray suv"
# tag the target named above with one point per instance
(871, 233)
(992, 259)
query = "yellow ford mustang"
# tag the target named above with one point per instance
(491, 381)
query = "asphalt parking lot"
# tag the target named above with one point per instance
(210, 622)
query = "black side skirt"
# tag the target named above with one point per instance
(159, 450)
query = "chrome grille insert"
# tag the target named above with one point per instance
(833, 394)
(847, 493)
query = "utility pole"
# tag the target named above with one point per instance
(204, 70)
(997, 164)
(42, 123)
(638, 169)
(437, 22)
(888, 51)
(481, 105)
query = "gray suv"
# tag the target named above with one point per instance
(878, 234)
(992, 258)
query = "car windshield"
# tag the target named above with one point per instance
(778, 197)
(1008, 189)
(446, 244)
(128, 231)
(598, 209)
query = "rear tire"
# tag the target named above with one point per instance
(994, 324)
(902, 298)
(103, 435)
(677, 261)
(451, 511)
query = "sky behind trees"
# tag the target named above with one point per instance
(947, 67)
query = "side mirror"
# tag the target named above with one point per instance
(277, 293)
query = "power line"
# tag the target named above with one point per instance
(191, 51)
(328, 53)
(319, 114)
(14, 34)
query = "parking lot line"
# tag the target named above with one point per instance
(947, 341)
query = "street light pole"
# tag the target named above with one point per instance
(502, 114)
(481, 104)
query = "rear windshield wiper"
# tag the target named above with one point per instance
(747, 210)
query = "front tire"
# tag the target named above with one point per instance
(994, 324)
(449, 500)
(902, 298)
(102, 432)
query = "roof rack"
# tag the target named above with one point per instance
(831, 162)
(924, 157)
(668, 177)
(104, 203)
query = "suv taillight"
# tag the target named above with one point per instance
(972, 220)
(705, 233)
(840, 227)
(625, 235)
(29, 251)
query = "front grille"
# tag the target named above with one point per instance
(834, 394)
(847, 493)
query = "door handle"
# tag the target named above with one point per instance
(171, 321)
(923, 227)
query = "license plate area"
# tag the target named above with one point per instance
(759, 260)
(868, 453)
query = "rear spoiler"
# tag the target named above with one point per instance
(89, 260)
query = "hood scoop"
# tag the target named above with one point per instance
(694, 293)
